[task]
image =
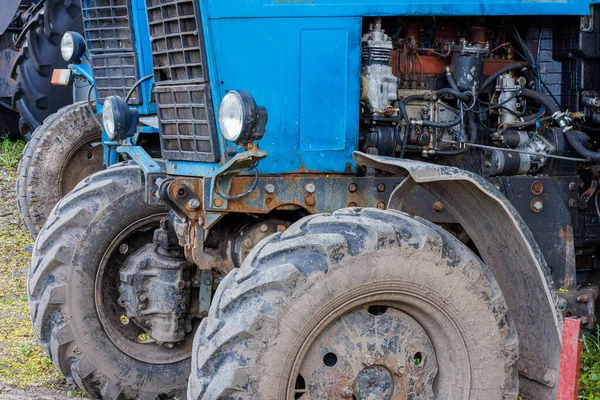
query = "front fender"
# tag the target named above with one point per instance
(510, 251)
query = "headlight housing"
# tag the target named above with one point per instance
(240, 120)
(72, 47)
(119, 120)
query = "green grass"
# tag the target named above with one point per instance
(10, 152)
(589, 380)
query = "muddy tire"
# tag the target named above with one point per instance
(317, 310)
(63, 151)
(36, 98)
(72, 290)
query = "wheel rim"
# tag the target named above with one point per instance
(81, 163)
(446, 362)
(375, 352)
(126, 335)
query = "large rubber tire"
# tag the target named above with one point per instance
(36, 98)
(61, 288)
(294, 284)
(62, 151)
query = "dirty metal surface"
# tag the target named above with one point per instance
(511, 253)
(404, 364)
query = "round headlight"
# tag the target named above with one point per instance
(120, 121)
(108, 119)
(241, 121)
(72, 47)
(231, 116)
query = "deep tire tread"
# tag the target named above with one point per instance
(270, 275)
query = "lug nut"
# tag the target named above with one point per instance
(347, 391)
(264, 228)
(193, 203)
(370, 361)
(381, 205)
(248, 243)
(399, 370)
(269, 188)
(124, 248)
(310, 187)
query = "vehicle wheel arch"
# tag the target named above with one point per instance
(489, 218)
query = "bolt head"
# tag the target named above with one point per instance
(218, 202)
(381, 187)
(123, 248)
(572, 203)
(143, 297)
(142, 306)
(269, 188)
(537, 205)
(347, 391)
(207, 281)
(193, 203)
(310, 201)
(310, 187)
(352, 188)
(381, 205)
(248, 243)
(400, 369)
(264, 228)
(370, 361)
(572, 186)
(438, 206)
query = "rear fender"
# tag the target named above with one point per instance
(507, 247)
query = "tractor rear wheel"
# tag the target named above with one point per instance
(364, 304)
(36, 98)
(63, 151)
(74, 297)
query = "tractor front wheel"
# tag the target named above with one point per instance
(363, 304)
(75, 298)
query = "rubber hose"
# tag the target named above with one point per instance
(577, 139)
(543, 99)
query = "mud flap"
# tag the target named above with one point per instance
(508, 248)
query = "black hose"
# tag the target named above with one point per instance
(404, 116)
(459, 95)
(541, 98)
(577, 139)
(492, 78)
(445, 124)
(473, 127)
(413, 97)
(452, 81)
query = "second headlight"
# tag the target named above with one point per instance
(119, 120)
(240, 119)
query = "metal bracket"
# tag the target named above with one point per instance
(153, 170)
(224, 175)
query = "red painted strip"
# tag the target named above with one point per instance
(570, 360)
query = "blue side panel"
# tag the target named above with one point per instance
(142, 42)
(306, 72)
(355, 8)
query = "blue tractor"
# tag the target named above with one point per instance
(352, 199)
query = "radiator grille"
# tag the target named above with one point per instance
(183, 98)
(110, 40)
(187, 130)
(177, 42)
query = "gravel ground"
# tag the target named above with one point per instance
(25, 371)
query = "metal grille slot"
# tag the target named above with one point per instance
(107, 25)
(187, 126)
(177, 42)
(110, 40)
(115, 74)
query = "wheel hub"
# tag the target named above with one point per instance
(375, 352)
